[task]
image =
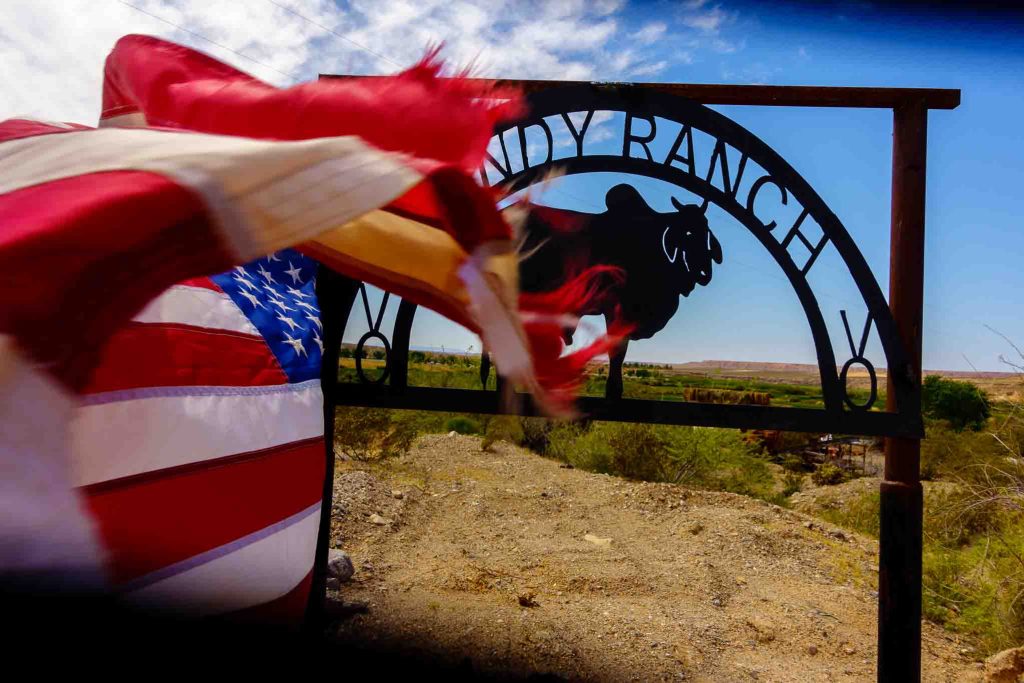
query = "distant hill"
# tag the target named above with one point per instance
(756, 367)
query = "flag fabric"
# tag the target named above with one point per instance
(209, 500)
(169, 441)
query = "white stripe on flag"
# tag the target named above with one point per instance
(169, 426)
(235, 176)
(44, 523)
(251, 571)
(197, 306)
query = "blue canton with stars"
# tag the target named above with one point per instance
(277, 293)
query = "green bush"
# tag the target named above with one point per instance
(963, 404)
(463, 425)
(828, 474)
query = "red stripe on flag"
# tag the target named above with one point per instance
(154, 520)
(14, 129)
(81, 255)
(161, 355)
(204, 282)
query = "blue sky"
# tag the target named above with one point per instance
(974, 202)
(51, 54)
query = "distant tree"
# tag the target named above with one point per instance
(345, 352)
(963, 404)
(418, 357)
(378, 354)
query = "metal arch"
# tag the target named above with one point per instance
(586, 98)
(905, 421)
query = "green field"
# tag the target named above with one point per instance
(646, 382)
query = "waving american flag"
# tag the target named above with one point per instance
(167, 439)
(208, 496)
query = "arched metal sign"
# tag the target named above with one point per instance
(739, 174)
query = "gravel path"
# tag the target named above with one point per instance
(518, 564)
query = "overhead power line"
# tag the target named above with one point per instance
(289, 76)
(333, 32)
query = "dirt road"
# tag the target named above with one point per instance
(519, 564)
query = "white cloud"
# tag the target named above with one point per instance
(52, 51)
(650, 33)
(707, 20)
(649, 69)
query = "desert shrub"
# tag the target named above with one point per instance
(948, 453)
(502, 428)
(704, 457)
(371, 433)
(791, 483)
(584, 446)
(828, 474)
(417, 356)
(977, 589)
(777, 442)
(535, 433)
(702, 395)
(792, 462)
(953, 517)
(345, 352)
(639, 451)
(463, 425)
(378, 354)
(963, 404)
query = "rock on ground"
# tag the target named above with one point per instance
(339, 565)
(1005, 667)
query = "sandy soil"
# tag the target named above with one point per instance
(520, 565)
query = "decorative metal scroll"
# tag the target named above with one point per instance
(686, 250)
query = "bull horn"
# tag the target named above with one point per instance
(675, 203)
(704, 206)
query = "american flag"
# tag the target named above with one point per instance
(170, 441)
(218, 463)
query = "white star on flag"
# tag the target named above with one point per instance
(288, 321)
(266, 274)
(294, 272)
(296, 344)
(253, 300)
(319, 341)
(315, 320)
(297, 293)
(282, 305)
(243, 282)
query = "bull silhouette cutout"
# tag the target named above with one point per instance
(663, 255)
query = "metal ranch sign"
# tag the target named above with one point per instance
(669, 255)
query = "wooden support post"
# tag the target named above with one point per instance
(899, 576)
